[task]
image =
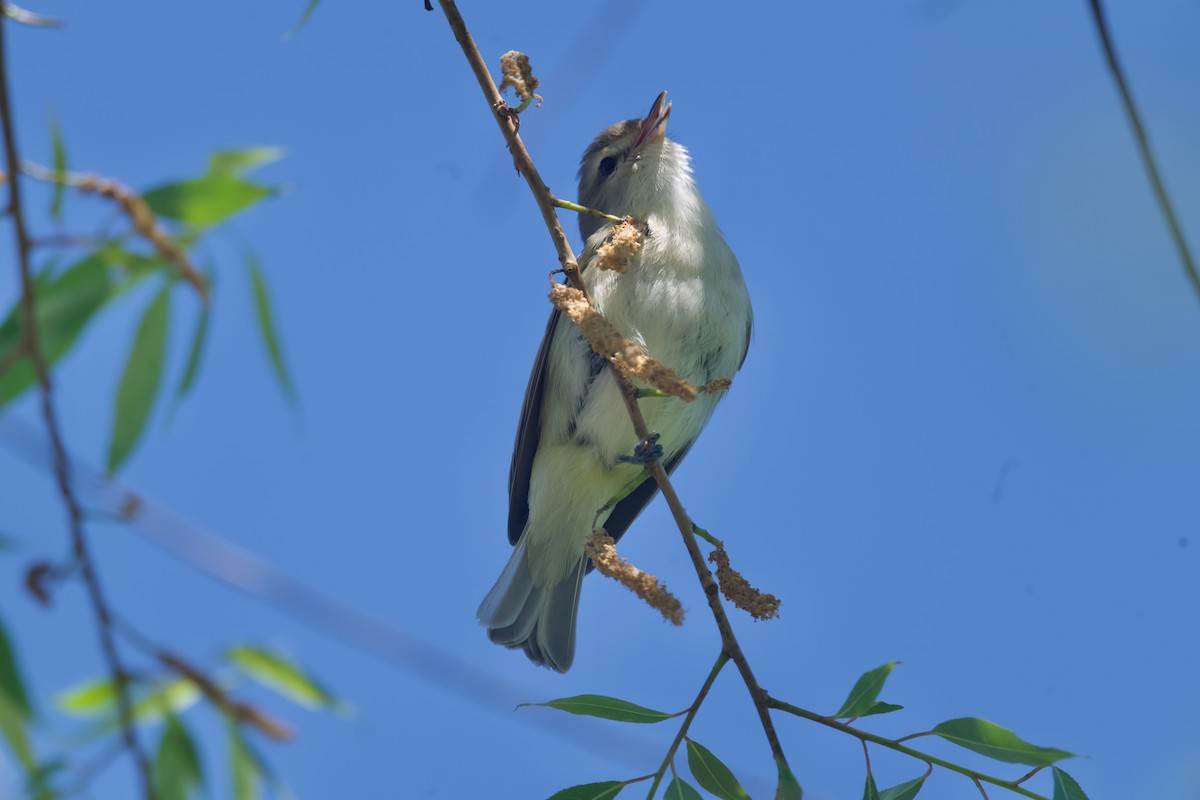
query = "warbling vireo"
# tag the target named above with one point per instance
(684, 302)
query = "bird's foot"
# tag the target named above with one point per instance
(646, 451)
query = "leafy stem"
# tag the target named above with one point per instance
(669, 759)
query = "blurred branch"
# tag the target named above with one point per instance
(133, 206)
(1143, 145)
(506, 120)
(242, 712)
(62, 467)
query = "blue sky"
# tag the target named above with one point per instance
(965, 436)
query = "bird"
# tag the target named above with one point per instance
(683, 300)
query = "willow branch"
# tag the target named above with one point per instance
(892, 744)
(1143, 145)
(546, 203)
(62, 468)
(687, 723)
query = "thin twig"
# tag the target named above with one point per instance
(62, 469)
(1143, 144)
(892, 744)
(669, 758)
(546, 203)
(242, 712)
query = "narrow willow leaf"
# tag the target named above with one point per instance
(266, 327)
(60, 167)
(880, 708)
(597, 705)
(195, 352)
(789, 787)
(679, 789)
(247, 779)
(177, 771)
(865, 692)
(88, 699)
(604, 790)
(238, 162)
(65, 305)
(12, 726)
(903, 791)
(267, 776)
(712, 775)
(205, 201)
(1065, 787)
(308, 10)
(11, 685)
(153, 706)
(870, 791)
(140, 380)
(995, 742)
(281, 675)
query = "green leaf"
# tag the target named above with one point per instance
(12, 725)
(88, 699)
(60, 167)
(140, 380)
(64, 306)
(1065, 787)
(995, 742)
(11, 685)
(789, 787)
(283, 676)
(235, 163)
(880, 708)
(202, 202)
(247, 778)
(177, 771)
(308, 10)
(679, 789)
(865, 692)
(195, 352)
(604, 790)
(266, 327)
(903, 791)
(38, 780)
(596, 705)
(870, 791)
(712, 775)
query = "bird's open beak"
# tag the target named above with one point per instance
(654, 126)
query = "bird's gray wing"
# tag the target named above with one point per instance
(528, 433)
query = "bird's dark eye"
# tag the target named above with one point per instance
(607, 165)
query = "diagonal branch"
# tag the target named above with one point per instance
(1143, 145)
(62, 467)
(546, 201)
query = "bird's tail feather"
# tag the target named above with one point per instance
(541, 620)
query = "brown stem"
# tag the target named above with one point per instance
(546, 203)
(62, 468)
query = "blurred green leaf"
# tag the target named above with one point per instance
(880, 708)
(308, 10)
(712, 775)
(60, 166)
(11, 684)
(596, 705)
(870, 791)
(865, 692)
(140, 380)
(1065, 787)
(283, 676)
(903, 791)
(88, 699)
(991, 740)
(789, 787)
(205, 201)
(195, 351)
(679, 789)
(134, 264)
(238, 162)
(65, 305)
(266, 326)
(12, 725)
(177, 770)
(603, 790)
(38, 784)
(246, 776)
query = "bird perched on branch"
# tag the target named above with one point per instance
(683, 301)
